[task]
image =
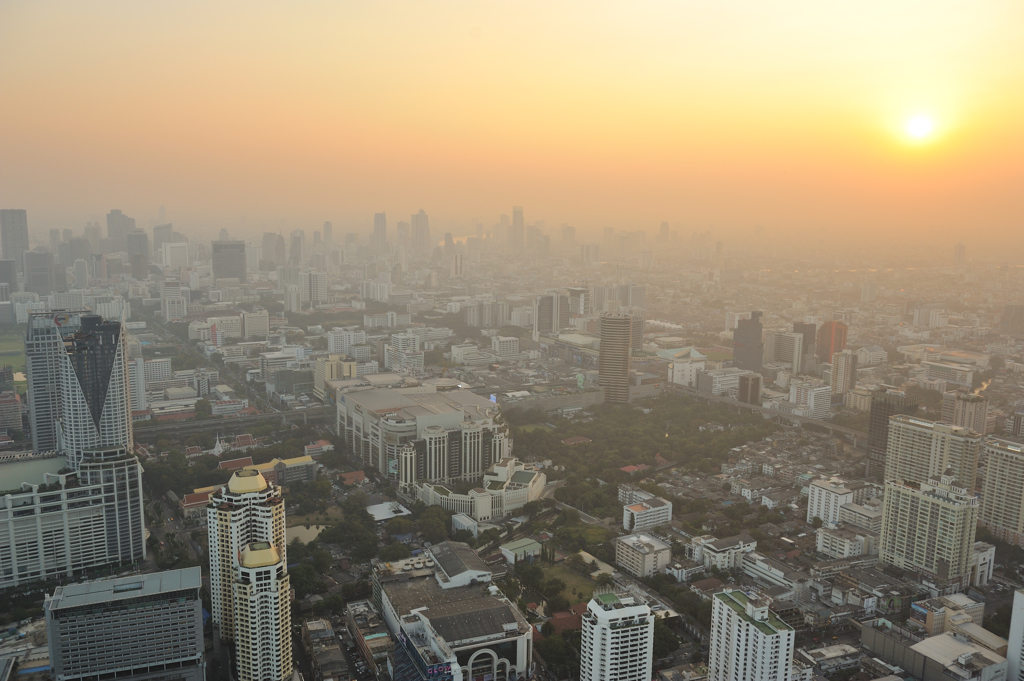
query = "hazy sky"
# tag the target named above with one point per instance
(730, 113)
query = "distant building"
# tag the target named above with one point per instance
(884, 403)
(228, 260)
(615, 351)
(831, 339)
(748, 346)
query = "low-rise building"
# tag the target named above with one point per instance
(642, 555)
(646, 514)
(323, 652)
(521, 550)
(724, 554)
(840, 541)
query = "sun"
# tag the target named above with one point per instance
(919, 127)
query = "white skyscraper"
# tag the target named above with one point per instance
(249, 586)
(618, 639)
(748, 640)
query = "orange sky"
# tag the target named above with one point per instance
(732, 113)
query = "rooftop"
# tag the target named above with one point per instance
(124, 588)
(737, 600)
(245, 481)
(260, 554)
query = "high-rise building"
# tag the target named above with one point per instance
(550, 313)
(748, 640)
(44, 350)
(255, 324)
(42, 276)
(844, 372)
(928, 528)
(964, 409)
(787, 348)
(228, 260)
(517, 230)
(455, 268)
(748, 346)
(960, 254)
(380, 233)
(617, 643)
(249, 584)
(884, 403)
(14, 235)
(118, 225)
(1002, 497)
(328, 234)
(1015, 647)
(831, 339)
(615, 351)
(136, 242)
(147, 626)
(420, 233)
(1011, 321)
(750, 388)
(163, 234)
(919, 450)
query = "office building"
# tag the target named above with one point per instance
(455, 266)
(147, 626)
(255, 324)
(748, 346)
(42, 275)
(380, 233)
(1002, 497)
(919, 450)
(723, 382)
(455, 434)
(844, 372)
(228, 260)
(928, 528)
(749, 389)
(642, 555)
(118, 226)
(748, 639)
(14, 236)
(249, 584)
(884, 403)
(313, 287)
(617, 643)
(550, 314)
(966, 410)
(449, 620)
(785, 348)
(831, 339)
(811, 400)
(957, 374)
(613, 360)
(136, 242)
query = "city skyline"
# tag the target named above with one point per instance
(727, 117)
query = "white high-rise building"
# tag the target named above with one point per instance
(785, 347)
(617, 643)
(919, 449)
(844, 372)
(249, 584)
(1002, 500)
(748, 640)
(340, 341)
(1015, 649)
(928, 528)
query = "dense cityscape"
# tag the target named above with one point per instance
(534, 341)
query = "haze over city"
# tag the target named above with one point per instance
(512, 341)
(728, 116)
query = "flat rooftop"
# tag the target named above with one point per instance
(124, 588)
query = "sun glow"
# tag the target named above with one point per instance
(920, 127)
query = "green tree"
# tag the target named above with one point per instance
(553, 587)
(665, 642)
(322, 560)
(204, 409)
(395, 551)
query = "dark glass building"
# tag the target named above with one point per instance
(747, 343)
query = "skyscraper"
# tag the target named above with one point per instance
(550, 313)
(808, 330)
(228, 260)
(380, 233)
(748, 348)
(617, 641)
(928, 528)
(328, 234)
(844, 372)
(831, 339)
(615, 351)
(960, 254)
(965, 409)
(750, 387)
(884, 403)
(787, 348)
(748, 640)
(1015, 639)
(919, 450)
(42, 275)
(1011, 321)
(420, 234)
(136, 242)
(118, 225)
(1002, 499)
(162, 234)
(249, 584)
(14, 235)
(517, 231)
(142, 627)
